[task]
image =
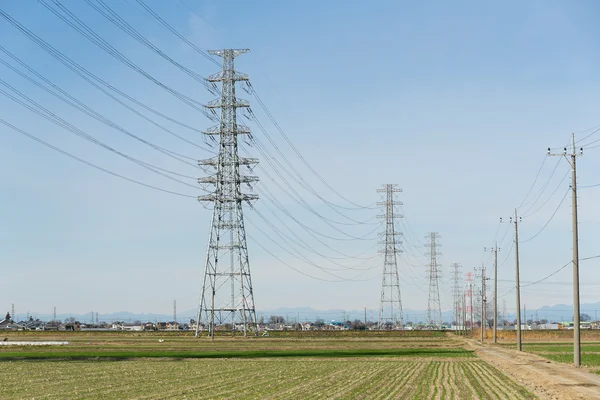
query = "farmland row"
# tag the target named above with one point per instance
(258, 378)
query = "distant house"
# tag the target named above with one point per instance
(172, 326)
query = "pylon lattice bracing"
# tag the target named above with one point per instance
(227, 295)
(456, 292)
(390, 309)
(434, 308)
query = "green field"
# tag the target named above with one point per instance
(138, 366)
(563, 352)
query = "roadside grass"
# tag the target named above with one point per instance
(563, 352)
(587, 359)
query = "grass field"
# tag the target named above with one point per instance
(130, 366)
(563, 352)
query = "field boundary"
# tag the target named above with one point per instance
(539, 375)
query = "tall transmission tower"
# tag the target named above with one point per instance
(227, 295)
(390, 308)
(456, 293)
(434, 308)
(174, 310)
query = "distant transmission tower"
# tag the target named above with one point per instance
(227, 288)
(390, 309)
(174, 310)
(456, 293)
(434, 308)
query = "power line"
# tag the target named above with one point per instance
(547, 222)
(95, 81)
(30, 136)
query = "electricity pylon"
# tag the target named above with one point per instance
(390, 309)
(456, 293)
(434, 308)
(227, 295)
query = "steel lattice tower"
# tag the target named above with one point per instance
(456, 293)
(390, 309)
(227, 288)
(434, 308)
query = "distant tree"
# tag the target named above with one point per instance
(358, 325)
(543, 321)
(277, 319)
(585, 317)
(7, 317)
(319, 323)
(261, 320)
(529, 321)
(69, 320)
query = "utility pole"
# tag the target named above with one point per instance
(12, 312)
(517, 278)
(390, 306)
(495, 328)
(434, 308)
(464, 314)
(227, 262)
(483, 303)
(503, 312)
(174, 310)
(576, 314)
(470, 295)
(54, 314)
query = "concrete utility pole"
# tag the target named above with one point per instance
(464, 314)
(516, 221)
(517, 285)
(495, 327)
(576, 314)
(483, 303)
(472, 316)
(495, 292)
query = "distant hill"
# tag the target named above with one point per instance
(558, 312)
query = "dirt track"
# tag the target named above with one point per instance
(547, 380)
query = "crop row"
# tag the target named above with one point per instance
(263, 378)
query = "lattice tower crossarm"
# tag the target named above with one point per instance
(390, 309)
(434, 308)
(227, 295)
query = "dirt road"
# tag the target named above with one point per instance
(546, 379)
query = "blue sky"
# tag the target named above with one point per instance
(456, 103)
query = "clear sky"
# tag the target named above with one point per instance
(456, 103)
